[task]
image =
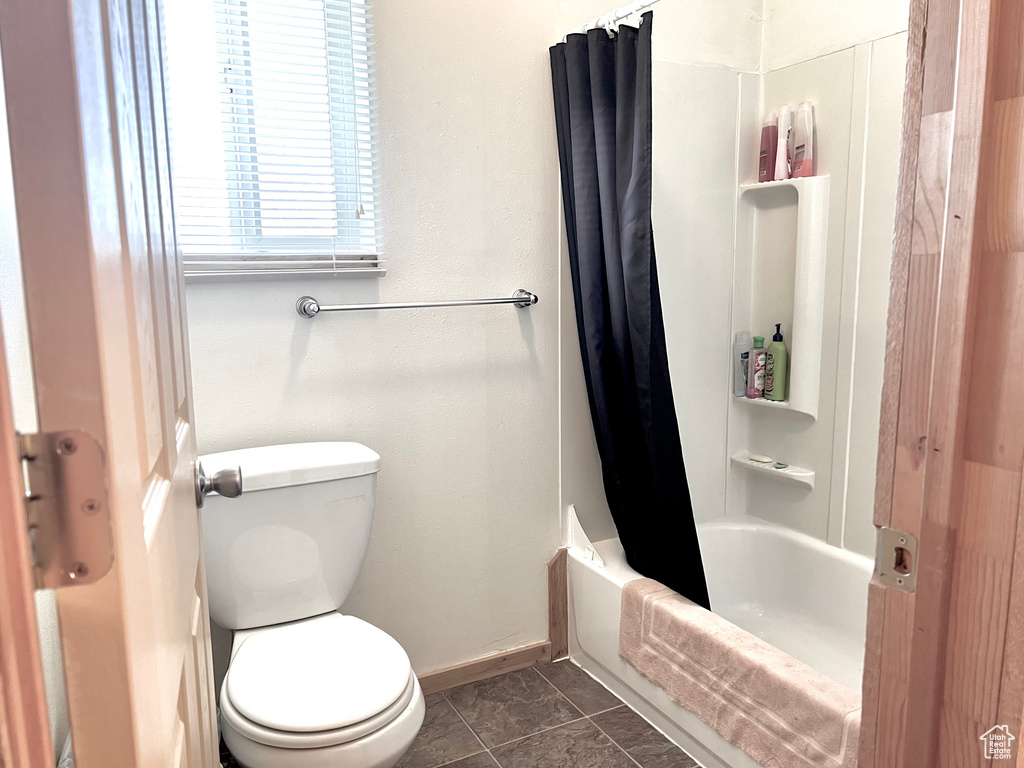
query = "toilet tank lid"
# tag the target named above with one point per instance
(280, 466)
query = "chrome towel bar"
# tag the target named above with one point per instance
(307, 306)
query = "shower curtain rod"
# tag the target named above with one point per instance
(613, 17)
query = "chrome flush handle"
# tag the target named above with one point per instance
(227, 482)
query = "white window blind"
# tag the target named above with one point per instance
(270, 104)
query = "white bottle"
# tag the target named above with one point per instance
(803, 141)
(783, 153)
(740, 360)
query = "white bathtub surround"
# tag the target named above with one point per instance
(857, 93)
(797, 578)
(774, 707)
(804, 597)
(706, 222)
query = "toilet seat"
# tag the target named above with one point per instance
(381, 749)
(308, 740)
(318, 682)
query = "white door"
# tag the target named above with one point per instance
(104, 294)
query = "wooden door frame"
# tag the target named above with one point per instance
(927, 691)
(24, 720)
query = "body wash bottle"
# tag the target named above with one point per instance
(782, 155)
(803, 141)
(755, 369)
(769, 149)
(740, 360)
(776, 368)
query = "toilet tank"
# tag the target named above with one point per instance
(292, 544)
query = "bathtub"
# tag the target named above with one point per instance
(803, 596)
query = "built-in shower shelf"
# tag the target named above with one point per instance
(801, 185)
(798, 475)
(780, 405)
(764, 252)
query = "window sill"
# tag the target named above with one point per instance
(227, 275)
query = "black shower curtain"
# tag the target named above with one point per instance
(602, 88)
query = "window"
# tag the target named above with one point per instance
(270, 106)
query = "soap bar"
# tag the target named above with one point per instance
(761, 458)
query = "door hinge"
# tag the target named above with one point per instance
(67, 508)
(896, 559)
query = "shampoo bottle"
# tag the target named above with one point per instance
(776, 367)
(755, 370)
(782, 154)
(740, 360)
(769, 149)
(803, 141)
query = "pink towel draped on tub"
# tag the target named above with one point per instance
(778, 710)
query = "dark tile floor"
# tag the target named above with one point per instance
(551, 716)
(227, 760)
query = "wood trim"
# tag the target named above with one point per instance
(875, 708)
(558, 604)
(878, 710)
(902, 235)
(24, 721)
(483, 668)
(943, 665)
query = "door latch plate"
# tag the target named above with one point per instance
(67, 507)
(896, 559)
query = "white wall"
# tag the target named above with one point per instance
(800, 30)
(694, 190)
(19, 369)
(705, 33)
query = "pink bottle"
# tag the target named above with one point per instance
(769, 146)
(803, 141)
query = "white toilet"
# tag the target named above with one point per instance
(306, 687)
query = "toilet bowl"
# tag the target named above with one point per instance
(306, 685)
